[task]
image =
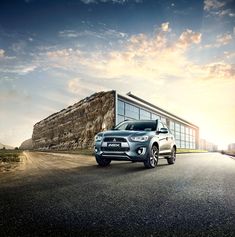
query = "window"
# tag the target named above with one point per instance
(182, 144)
(163, 120)
(155, 116)
(120, 118)
(182, 129)
(177, 143)
(122, 126)
(131, 111)
(187, 138)
(182, 136)
(120, 107)
(137, 126)
(172, 126)
(144, 114)
(190, 131)
(187, 144)
(177, 135)
(187, 130)
(160, 125)
(177, 127)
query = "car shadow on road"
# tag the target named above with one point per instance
(119, 168)
(56, 178)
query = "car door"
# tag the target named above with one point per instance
(162, 138)
(169, 139)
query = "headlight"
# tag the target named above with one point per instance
(98, 138)
(140, 138)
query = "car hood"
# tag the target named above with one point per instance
(123, 133)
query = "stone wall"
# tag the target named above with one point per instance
(75, 127)
(26, 145)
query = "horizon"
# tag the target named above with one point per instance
(178, 55)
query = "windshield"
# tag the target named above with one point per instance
(137, 126)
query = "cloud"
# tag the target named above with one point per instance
(143, 57)
(227, 12)
(112, 1)
(106, 34)
(60, 53)
(165, 27)
(18, 69)
(26, 69)
(213, 4)
(224, 39)
(19, 47)
(221, 40)
(229, 55)
(189, 37)
(68, 33)
(13, 94)
(88, 1)
(220, 70)
(2, 53)
(216, 8)
(74, 86)
(82, 88)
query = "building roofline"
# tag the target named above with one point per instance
(135, 98)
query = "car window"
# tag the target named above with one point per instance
(138, 126)
(122, 126)
(160, 125)
(166, 128)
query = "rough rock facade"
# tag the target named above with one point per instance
(26, 145)
(75, 127)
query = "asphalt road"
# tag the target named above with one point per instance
(69, 195)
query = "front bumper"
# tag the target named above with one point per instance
(128, 152)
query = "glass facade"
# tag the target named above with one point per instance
(185, 136)
(145, 114)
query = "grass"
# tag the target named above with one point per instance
(8, 156)
(181, 150)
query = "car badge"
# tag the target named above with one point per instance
(114, 140)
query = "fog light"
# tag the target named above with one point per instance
(141, 151)
(96, 150)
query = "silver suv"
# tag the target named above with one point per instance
(137, 141)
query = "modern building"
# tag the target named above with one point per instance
(76, 126)
(231, 146)
(206, 145)
(133, 107)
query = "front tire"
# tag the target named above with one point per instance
(152, 159)
(171, 159)
(102, 161)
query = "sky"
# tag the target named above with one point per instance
(179, 55)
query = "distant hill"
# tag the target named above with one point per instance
(6, 146)
(27, 145)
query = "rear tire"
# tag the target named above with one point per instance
(172, 158)
(102, 161)
(152, 160)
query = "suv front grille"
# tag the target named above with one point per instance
(115, 148)
(114, 139)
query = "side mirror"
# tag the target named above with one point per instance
(162, 130)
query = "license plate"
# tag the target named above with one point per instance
(114, 144)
